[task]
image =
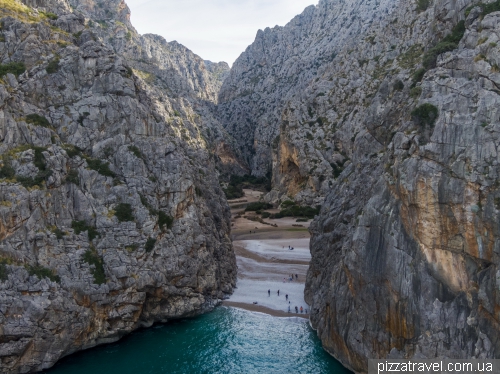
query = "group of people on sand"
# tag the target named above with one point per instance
(289, 304)
(297, 309)
(290, 248)
(290, 278)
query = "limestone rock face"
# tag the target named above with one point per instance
(403, 159)
(271, 80)
(111, 212)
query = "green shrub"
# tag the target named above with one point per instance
(133, 247)
(291, 209)
(38, 120)
(233, 192)
(150, 244)
(485, 8)
(338, 167)
(425, 114)
(252, 207)
(39, 160)
(236, 184)
(128, 36)
(53, 66)
(73, 177)
(135, 151)
(43, 172)
(59, 233)
(73, 151)
(50, 15)
(418, 76)
(422, 5)
(124, 212)
(92, 258)
(399, 85)
(266, 214)
(42, 272)
(101, 167)
(144, 202)
(81, 226)
(288, 203)
(449, 43)
(415, 92)
(7, 171)
(4, 273)
(165, 220)
(16, 68)
(82, 117)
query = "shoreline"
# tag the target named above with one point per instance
(263, 309)
(265, 262)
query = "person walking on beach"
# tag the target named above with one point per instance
(286, 296)
(278, 292)
(269, 292)
(296, 310)
(288, 308)
(296, 276)
(301, 310)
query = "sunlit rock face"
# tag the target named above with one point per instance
(362, 107)
(112, 217)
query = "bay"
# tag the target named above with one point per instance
(228, 340)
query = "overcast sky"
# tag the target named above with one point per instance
(216, 30)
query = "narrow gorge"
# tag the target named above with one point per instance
(119, 152)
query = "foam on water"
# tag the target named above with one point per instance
(229, 340)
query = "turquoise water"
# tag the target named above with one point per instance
(227, 340)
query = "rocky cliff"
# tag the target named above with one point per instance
(112, 217)
(389, 109)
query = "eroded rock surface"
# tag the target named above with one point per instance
(347, 102)
(111, 212)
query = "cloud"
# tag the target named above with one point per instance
(216, 30)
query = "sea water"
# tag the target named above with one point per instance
(228, 340)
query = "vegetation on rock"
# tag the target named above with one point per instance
(291, 209)
(93, 259)
(253, 207)
(124, 212)
(165, 220)
(100, 166)
(81, 226)
(237, 183)
(425, 114)
(37, 120)
(449, 43)
(16, 68)
(43, 272)
(150, 244)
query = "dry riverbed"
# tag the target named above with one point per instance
(265, 261)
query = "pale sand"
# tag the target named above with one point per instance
(264, 260)
(261, 309)
(278, 249)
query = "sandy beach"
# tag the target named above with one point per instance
(266, 261)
